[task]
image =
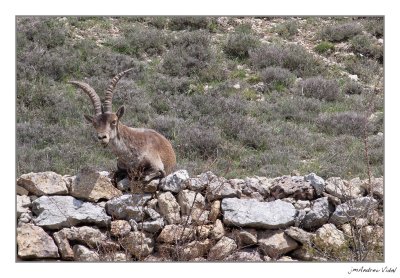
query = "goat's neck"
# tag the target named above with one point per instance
(119, 145)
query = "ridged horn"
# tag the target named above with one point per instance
(110, 91)
(92, 94)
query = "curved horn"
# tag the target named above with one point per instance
(92, 94)
(110, 91)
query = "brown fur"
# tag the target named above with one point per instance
(143, 153)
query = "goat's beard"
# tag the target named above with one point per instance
(104, 144)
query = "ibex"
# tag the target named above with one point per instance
(141, 151)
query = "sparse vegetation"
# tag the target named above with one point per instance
(340, 32)
(320, 88)
(324, 47)
(240, 43)
(228, 100)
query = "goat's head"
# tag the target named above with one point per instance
(104, 120)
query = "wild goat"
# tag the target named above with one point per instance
(143, 152)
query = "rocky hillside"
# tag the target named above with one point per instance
(89, 217)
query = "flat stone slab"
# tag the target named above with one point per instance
(255, 214)
(56, 212)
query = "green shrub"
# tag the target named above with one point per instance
(287, 29)
(277, 78)
(352, 87)
(48, 32)
(340, 32)
(364, 68)
(190, 22)
(324, 47)
(192, 56)
(375, 26)
(199, 140)
(292, 56)
(239, 43)
(138, 40)
(319, 88)
(351, 123)
(368, 46)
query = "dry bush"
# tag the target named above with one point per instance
(319, 88)
(340, 32)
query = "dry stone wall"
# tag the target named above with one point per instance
(87, 217)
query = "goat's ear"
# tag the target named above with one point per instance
(120, 112)
(89, 118)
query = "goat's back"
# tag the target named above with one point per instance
(153, 144)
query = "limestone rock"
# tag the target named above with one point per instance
(215, 211)
(295, 187)
(328, 237)
(128, 206)
(55, 212)
(124, 185)
(204, 231)
(173, 233)
(286, 259)
(256, 185)
(84, 254)
(188, 204)
(44, 183)
(120, 228)
(358, 208)
(254, 214)
(91, 185)
(246, 237)
(275, 243)
(174, 182)
(196, 249)
(376, 187)
(317, 182)
(34, 243)
(154, 215)
(169, 207)
(219, 188)
(302, 204)
(200, 182)
(218, 230)
(138, 244)
(115, 257)
(90, 236)
(153, 226)
(344, 190)
(300, 235)
(306, 253)
(244, 256)
(23, 203)
(318, 215)
(224, 247)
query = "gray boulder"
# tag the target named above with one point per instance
(128, 206)
(93, 185)
(295, 187)
(318, 215)
(44, 183)
(219, 188)
(356, 208)
(317, 182)
(56, 212)
(34, 243)
(174, 182)
(255, 214)
(276, 243)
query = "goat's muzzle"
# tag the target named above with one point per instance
(103, 139)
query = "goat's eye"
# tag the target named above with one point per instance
(114, 122)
